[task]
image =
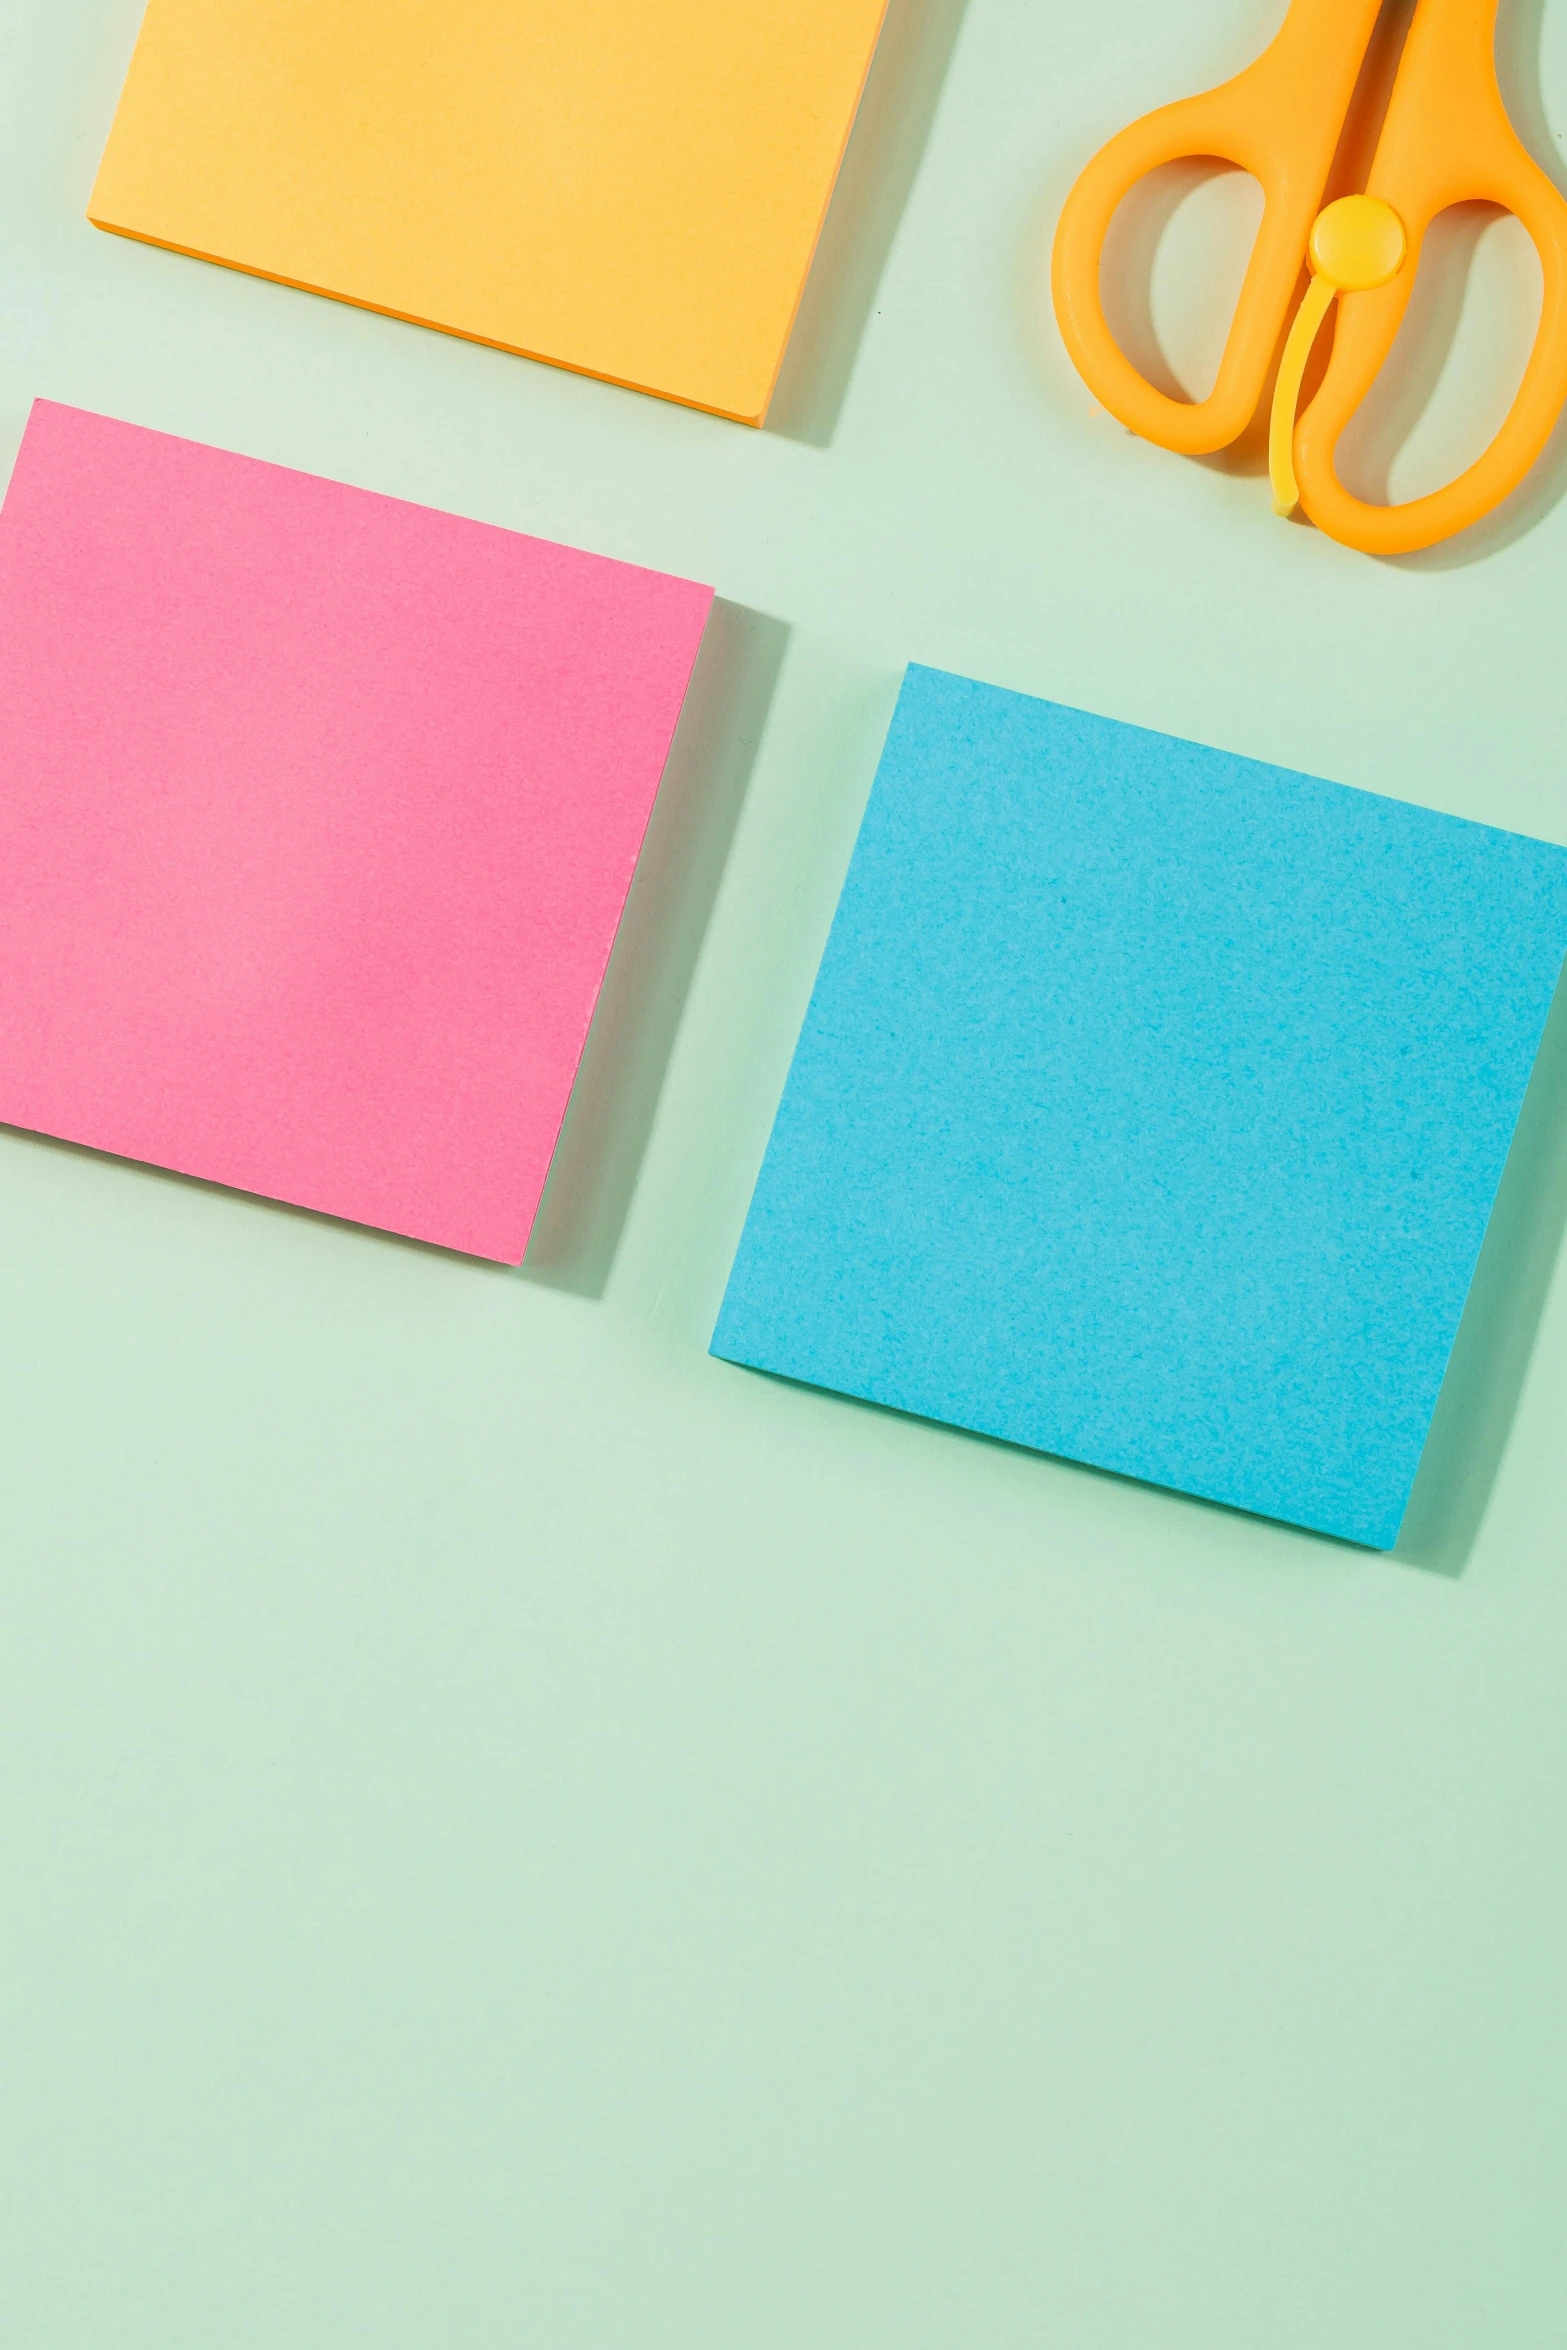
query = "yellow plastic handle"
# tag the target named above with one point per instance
(1280, 120)
(1357, 243)
(1446, 140)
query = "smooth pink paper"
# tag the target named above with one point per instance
(317, 816)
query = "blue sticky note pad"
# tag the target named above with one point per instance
(1150, 1107)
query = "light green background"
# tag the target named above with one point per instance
(520, 1837)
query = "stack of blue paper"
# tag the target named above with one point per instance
(1150, 1107)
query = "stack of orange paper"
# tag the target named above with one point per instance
(633, 188)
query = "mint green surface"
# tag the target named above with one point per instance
(515, 1833)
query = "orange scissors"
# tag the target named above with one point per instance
(1446, 139)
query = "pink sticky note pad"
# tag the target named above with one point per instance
(317, 816)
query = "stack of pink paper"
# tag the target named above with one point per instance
(317, 816)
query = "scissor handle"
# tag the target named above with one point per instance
(1280, 120)
(1447, 140)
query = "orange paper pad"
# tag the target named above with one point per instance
(632, 188)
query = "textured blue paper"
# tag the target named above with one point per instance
(1150, 1107)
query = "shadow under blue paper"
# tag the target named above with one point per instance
(1501, 1320)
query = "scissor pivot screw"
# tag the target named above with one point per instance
(1358, 243)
